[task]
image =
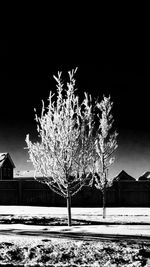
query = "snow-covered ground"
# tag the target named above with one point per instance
(18, 241)
(92, 230)
(138, 215)
(34, 210)
(123, 215)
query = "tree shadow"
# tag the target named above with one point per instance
(67, 234)
(55, 221)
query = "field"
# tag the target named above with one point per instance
(21, 249)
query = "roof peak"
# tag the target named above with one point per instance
(123, 171)
(146, 174)
(4, 156)
(123, 175)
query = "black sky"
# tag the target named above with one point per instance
(29, 80)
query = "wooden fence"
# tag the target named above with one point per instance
(30, 192)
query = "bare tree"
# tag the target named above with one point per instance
(105, 145)
(65, 150)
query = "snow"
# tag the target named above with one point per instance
(23, 173)
(120, 215)
(92, 230)
(38, 210)
(140, 216)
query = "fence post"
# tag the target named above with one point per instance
(118, 194)
(19, 192)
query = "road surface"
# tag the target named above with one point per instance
(90, 232)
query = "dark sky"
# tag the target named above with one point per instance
(29, 80)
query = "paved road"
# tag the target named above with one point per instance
(99, 232)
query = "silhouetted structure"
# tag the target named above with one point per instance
(6, 167)
(123, 176)
(125, 191)
(145, 176)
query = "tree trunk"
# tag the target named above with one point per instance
(104, 190)
(69, 207)
(104, 203)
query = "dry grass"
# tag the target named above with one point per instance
(46, 252)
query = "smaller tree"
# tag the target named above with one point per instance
(105, 145)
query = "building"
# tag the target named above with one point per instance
(6, 167)
(145, 176)
(123, 176)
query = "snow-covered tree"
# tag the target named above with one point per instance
(65, 150)
(105, 145)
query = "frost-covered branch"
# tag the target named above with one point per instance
(66, 145)
(105, 145)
